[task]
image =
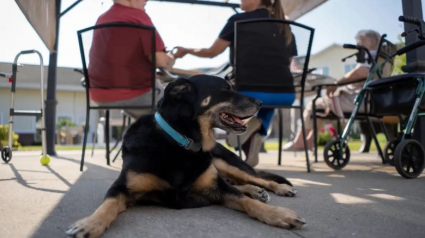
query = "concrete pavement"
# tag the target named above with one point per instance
(365, 199)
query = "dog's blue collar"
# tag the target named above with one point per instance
(185, 142)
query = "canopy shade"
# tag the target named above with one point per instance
(41, 14)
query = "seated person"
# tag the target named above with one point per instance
(113, 63)
(258, 126)
(343, 96)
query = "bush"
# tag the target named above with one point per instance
(326, 135)
(4, 137)
(64, 122)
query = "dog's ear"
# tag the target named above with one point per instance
(179, 88)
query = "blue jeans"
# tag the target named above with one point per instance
(269, 99)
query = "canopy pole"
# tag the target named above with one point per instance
(415, 59)
(51, 102)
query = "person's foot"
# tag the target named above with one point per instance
(290, 146)
(252, 158)
(253, 125)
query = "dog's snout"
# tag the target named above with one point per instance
(258, 103)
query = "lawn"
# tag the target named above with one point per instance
(269, 145)
(353, 144)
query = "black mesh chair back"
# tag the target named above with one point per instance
(261, 55)
(115, 60)
(262, 61)
(385, 50)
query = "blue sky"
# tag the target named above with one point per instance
(335, 21)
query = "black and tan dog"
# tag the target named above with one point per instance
(172, 159)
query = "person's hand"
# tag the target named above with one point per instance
(330, 90)
(181, 52)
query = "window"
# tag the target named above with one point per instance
(322, 71)
(349, 67)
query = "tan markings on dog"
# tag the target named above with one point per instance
(101, 219)
(274, 216)
(242, 177)
(144, 182)
(205, 123)
(207, 178)
(208, 139)
(206, 101)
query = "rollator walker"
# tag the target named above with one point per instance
(400, 95)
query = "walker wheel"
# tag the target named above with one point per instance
(6, 154)
(333, 157)
(389, 151)
(409, 158)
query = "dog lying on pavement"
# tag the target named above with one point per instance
(171, 158)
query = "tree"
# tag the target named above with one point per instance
(399, 60)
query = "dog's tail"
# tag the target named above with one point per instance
(273, 177)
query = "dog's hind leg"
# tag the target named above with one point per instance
(115, 202)
(214, 188)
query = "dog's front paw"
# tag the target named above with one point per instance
(285, 190)
(284, 218)
(259, 194)
(88, 227)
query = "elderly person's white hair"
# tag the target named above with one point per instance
(370, 34)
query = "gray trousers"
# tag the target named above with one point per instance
(142, 100)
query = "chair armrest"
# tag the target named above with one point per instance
(320, 86)
(79, 71)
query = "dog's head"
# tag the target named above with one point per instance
(208, 102)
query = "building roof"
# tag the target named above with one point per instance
(333, 45)
(28, 77)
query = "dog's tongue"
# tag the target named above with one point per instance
(237, 119)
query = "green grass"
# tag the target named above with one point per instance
(271, 145)
(354, 145)
(61, 147)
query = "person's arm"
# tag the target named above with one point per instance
(359, 72)
(163, 60)
(217, 48)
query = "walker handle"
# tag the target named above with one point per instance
(27, 51)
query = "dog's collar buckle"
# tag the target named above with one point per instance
(191, 145)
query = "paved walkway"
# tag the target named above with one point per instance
(366, 199)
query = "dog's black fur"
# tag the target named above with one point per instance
(157, 169)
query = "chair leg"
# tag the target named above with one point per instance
(94, 141)
(122, 136)
(107, 137)
(279, 112)
(315, 129)
(240, 147)
(119, 139)
(375, 138)
(86, 132)
(305, 139)
(384, 129)
(338, 124)
(116, 156)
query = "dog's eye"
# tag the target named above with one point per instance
(228, 88)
